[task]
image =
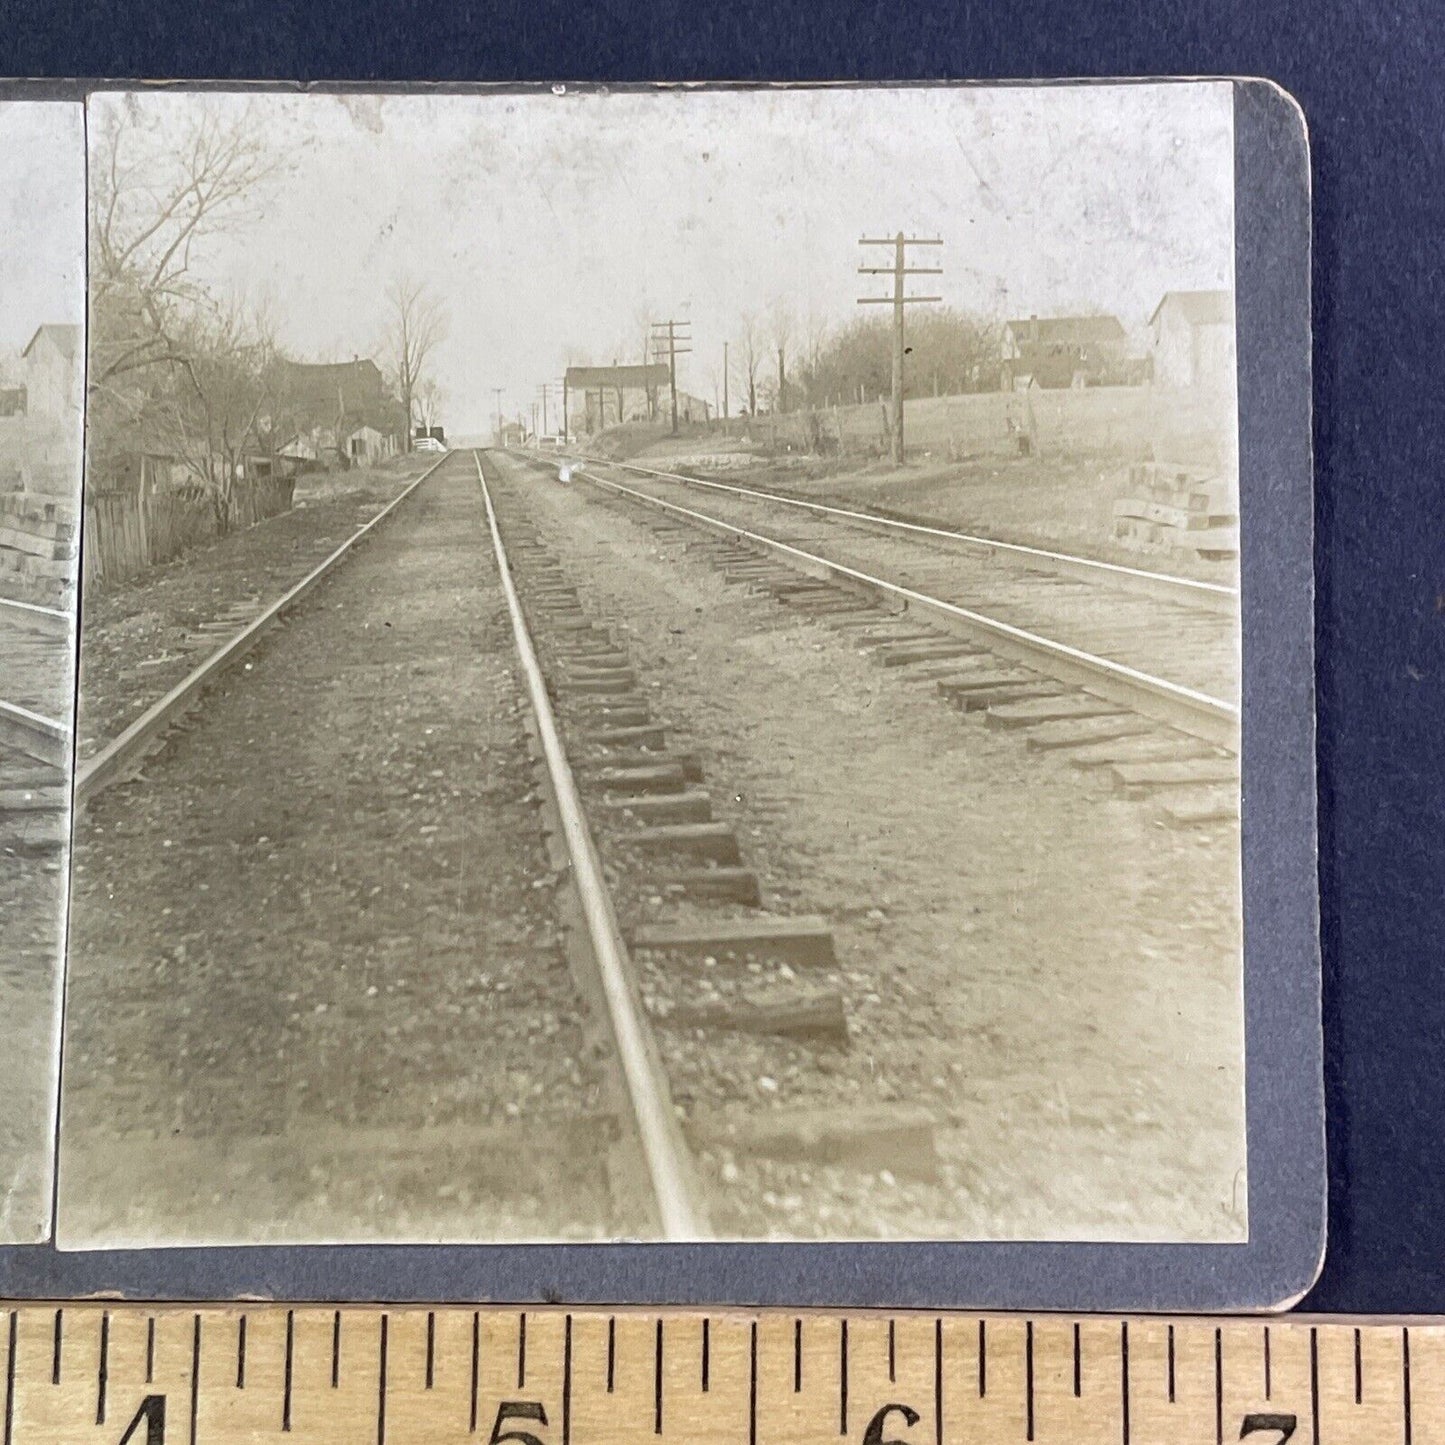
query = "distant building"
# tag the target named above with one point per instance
(603, 396)
(1063, 351)
(366, 446)
(323, 406)
(52, 371)
(1191, 337)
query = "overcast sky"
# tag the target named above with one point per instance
(555, 225)
(42, 220)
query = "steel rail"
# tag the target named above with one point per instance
(647, 1093)
(1213, 719)
(54, 619)
(1213, 594)
(43, 738)
(117, 756)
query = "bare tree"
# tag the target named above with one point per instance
(749, 358)
(419, 324)
(217, 409)
(430, 399)
(155, 198)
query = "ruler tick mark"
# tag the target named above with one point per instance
(103, 1373)
(241, 1353)
(1078, 1366)
(1267, 1380)
(1315, 1388)
(753, 1385)
(522, 1352)
(611, 1353)
(1124, 1382)
(938, 1382)
(476, 1366)
(1218, 1387)
(381, 1385)
(336, 1350)
(286, 1384)
(55, 1350)
(705, 1361)
(1171, 1364)
(843, 1377)
(10, 1378)
(892, 1353)
(1404, 1382)
(567, 1381)
(982, 1360)
(657, 1380)
(1359, 1372)
(1029, 1379)
(150, 1349)
(797, 1356)
(195, 1374)
(431, 1347)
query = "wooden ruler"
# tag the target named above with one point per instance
(142, 1375)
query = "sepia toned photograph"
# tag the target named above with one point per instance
(42, 364)
(655, 665)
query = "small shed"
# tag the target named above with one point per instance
(366, 445)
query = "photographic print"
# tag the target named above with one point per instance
(659, 665)
(42, 361)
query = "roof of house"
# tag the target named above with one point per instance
(1067, 330)
(363, 371)
(1200, 308)
(66, 339)
(581, 377)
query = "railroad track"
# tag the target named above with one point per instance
(720, 992)
(1171, 587)
(35, 729)
(1135, 688)
(635, 1157)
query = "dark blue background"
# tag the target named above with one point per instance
(1368, 75)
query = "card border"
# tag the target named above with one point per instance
(1284, 1055)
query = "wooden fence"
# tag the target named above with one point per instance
(124, 534)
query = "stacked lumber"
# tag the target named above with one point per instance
(1177, 508)
(38, 548)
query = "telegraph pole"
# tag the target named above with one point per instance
(497, 401)
(671, 341)
(898, 301)
(726, 412)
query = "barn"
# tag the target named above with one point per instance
(1192, 339)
